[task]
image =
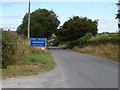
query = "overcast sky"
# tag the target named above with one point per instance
(12, 12)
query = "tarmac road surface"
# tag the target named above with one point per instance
(86, 71)
(74, 70)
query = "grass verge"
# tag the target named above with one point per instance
(108, 51)
(35, 63)
(28, 61)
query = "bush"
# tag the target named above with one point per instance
(104, 39)
(9, 45)
(56, 41)
(71, 44)
(82, 41)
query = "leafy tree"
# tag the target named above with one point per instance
(43, 24)
(76, 28)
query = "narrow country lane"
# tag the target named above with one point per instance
(74, 70)
(86, 71)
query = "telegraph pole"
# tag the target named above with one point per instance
(29, 20)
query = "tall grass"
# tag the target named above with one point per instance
(9, 47)
(108, 51)
(105, 45)
(20, 59)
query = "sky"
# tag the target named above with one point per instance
(12, 13)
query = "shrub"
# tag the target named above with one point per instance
(82, 41)
(104, 39)
(71, 44)
(56, 41)
(9, 45)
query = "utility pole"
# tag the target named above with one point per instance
(29, 20)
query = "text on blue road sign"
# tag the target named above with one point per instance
(38, 42)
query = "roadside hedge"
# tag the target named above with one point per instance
(9, 45)
(82, 41)
(104, 39)
(89, 39)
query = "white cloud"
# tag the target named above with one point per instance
(12, 27)
(59, 0)
(107, 25)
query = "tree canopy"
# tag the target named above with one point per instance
(77, 27)
(43, 24)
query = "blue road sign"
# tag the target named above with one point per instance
(38, 42)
